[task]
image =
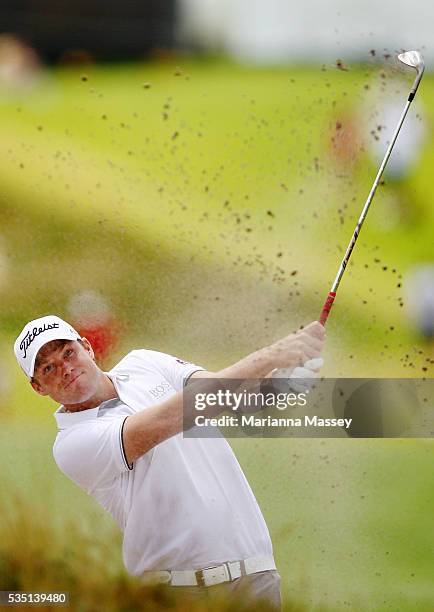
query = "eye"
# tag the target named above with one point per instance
(48, 368)
(68, 352)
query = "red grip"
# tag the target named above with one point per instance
(327, 307)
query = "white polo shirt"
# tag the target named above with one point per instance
(186, 503)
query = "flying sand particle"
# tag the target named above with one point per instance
(341, 66)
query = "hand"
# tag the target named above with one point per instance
(302, 378)
(310, 369)
(296, 349)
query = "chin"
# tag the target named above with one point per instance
(79, 394)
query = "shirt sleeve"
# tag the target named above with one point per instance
(92, 454)
(176, 371)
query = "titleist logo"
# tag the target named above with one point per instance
(31, 335)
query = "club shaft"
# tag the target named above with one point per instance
(368, 202)
(332, 294)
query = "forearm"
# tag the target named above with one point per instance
(288, 352)
(256, 365)
(156, 424)
(151, 426)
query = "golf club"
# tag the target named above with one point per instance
(415, 60)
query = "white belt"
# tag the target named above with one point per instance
(225, 572)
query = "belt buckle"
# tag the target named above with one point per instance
(201, 577)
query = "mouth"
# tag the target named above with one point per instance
(73, 380)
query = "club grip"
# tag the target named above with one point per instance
(327, 307)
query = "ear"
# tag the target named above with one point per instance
(88, 347)
(37, 387)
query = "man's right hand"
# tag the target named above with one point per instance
(297, 348)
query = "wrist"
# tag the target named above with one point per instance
(266, 360)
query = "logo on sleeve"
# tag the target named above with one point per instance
(182, 362)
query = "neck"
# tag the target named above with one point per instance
(105, 391)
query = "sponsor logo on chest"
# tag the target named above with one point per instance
(161, 389)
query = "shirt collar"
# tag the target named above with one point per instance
(67, 419)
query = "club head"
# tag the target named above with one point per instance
(413, 59)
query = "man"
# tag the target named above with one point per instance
(188, 515)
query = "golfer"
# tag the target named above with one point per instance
(188, 515)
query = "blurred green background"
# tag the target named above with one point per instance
(210, 204)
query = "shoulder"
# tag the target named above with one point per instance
(142, 358)
(143, 363)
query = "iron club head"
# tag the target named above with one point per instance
(415, 60)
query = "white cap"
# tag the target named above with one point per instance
(37, 333)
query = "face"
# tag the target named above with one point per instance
(67, 374)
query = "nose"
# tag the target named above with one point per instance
(66, 371)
